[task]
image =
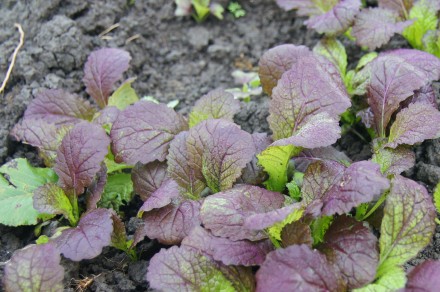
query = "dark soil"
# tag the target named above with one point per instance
(173, 58)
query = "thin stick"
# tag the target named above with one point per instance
(109, 29)
(14, 56)
(132, 38)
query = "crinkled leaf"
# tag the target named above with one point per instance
(59, 107)
(306, 90)
(396, 5)
(307, 156)
(425, 19)
(118, 191)
(374, 27)
(414, 124)
(216, 104)
(51, 199)
(334, 51)
(103, 68)
(170, 224)
(189, 177)
(142, 132)
(34, 268)
(80, 155)
(394, 78)
(274, 160)
(337, 20)
(106, 117)
(161, 197)
(147, 178)
(393, 280)
(424, 277)
(237, 253)
(124, 96)
(426, 94)
(296, 233)
(95, 190)
(296, 268)
(45, 136)
(394, 161)
(339, 188)
(431, 42)
(253, 173)
(276, 61)
(352, 249)
(225, 213)
(220, 150)
(16, 192)
(307, 8)
(185, 269)
(119, 235)
(87, 240)
(408, 224)
(319, 227)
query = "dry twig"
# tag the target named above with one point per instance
(14, 57)
(109, 29)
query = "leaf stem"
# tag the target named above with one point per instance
(377, 205)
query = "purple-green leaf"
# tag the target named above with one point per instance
(296, 233)
(103, 68)
(394, 161)
(34, 268)
(260, 221)
(95, 190)
(185, 269)
(296, 268)
(80, 155)
(225, 213)
(352, 249)
(216, 104)
(303, 160)
(162, 197)
(87, 240)
(237, 253)
(147, 178)
(143, 131)
(374, 27)
(276, 61)
(424, 277)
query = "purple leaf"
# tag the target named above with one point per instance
(142, 132)
(87, 240)
(45, 136)
(374, 27)
(414, 124)
(296, 233)
(119, 234)
(103, 68)
(107, 116)
(253, 173)
(162, 197)
(34, 268)
(219, 150)
(305, 8)
(80, 155)
(306, 90)
(317, 131)
(352, 249)
(393, 80)
(260, 221)
(147, 178)
(95, 190)
(337, 20)
(225, 213)
(170, 224)
(185, 269)
(296, 268)
(303, 160)
(394, 161)
(399, 6)
(216, 104)
(51, 199)
(426, 94)
(58, 107)
(424, 277)
(189, 178)
(339, 188)
(276, 61)
(237, 253)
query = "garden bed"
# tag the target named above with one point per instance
(172, 58)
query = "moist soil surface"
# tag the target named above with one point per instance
(172, 58)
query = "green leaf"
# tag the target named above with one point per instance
(365, 59)
(431, 42)
(51, 199)
(123, 96)
(294, 186)
(201, 8)
(319, 227)
(393, 280)
(16, 192)
(275, 230)
(275, 160)
(436, 196)
(334, 51)
(113, 166)
(425, 19)
(117, 192)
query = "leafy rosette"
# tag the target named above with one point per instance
(209, 157)
(327, 17)
(304, 110)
